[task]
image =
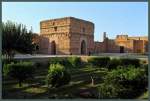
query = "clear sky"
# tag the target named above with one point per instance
(112, 17)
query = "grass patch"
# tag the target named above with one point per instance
(35, 90)
(17, 85)
(144, 95)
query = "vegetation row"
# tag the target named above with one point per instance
(126, 78)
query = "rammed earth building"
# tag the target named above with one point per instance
(69, 35)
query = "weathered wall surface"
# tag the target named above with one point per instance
(57, 32)
(54, 26)
(67, 34)
(99, 47)
(70, 35)
(129, 44)
(80, 31)
(122, 40)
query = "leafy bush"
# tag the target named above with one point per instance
(6, 61)
(20, 71)
(99, 61)
(42, 64)
(113, 63)
(62, 61)
(124, 83)
(127, 61)
(56, 60)
(75, 61)
(107, 91)
(57, 75)
(145, 67)
(68, 63)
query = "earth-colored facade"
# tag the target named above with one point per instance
(122, 44)
(69, 35)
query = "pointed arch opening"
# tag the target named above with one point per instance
(83, 47)
(121, 49)
(53, 48)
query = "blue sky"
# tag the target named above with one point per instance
(112, 17)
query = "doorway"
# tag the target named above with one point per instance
(53, 48)
(83, 47)
(121, 49)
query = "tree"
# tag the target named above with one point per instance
(16, 37)
(57, 76)
(19, 71)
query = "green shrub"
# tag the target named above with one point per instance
(99, 61)
(20, 71)
(56, 60)
(145, 67)
(127, 61)
(57, 75)
(68, 63)
(124, 83)
(42, 64)
(75, 61)
(62, 61)
(113, 63)
(6, 61)
(108, 91)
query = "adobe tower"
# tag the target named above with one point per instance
(67, 35)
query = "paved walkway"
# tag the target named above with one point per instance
(125, 55)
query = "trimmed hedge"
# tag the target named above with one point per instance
(62, 61)
(113, 63)
(57, 60)
(124, 82)
(68, 62)
(99, 61)
(102, 62)
(75, 61)
(5, 61)
(145, 67)
(127, 61)
(20, 71)
(57, 76)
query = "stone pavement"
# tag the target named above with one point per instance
(112, 55)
